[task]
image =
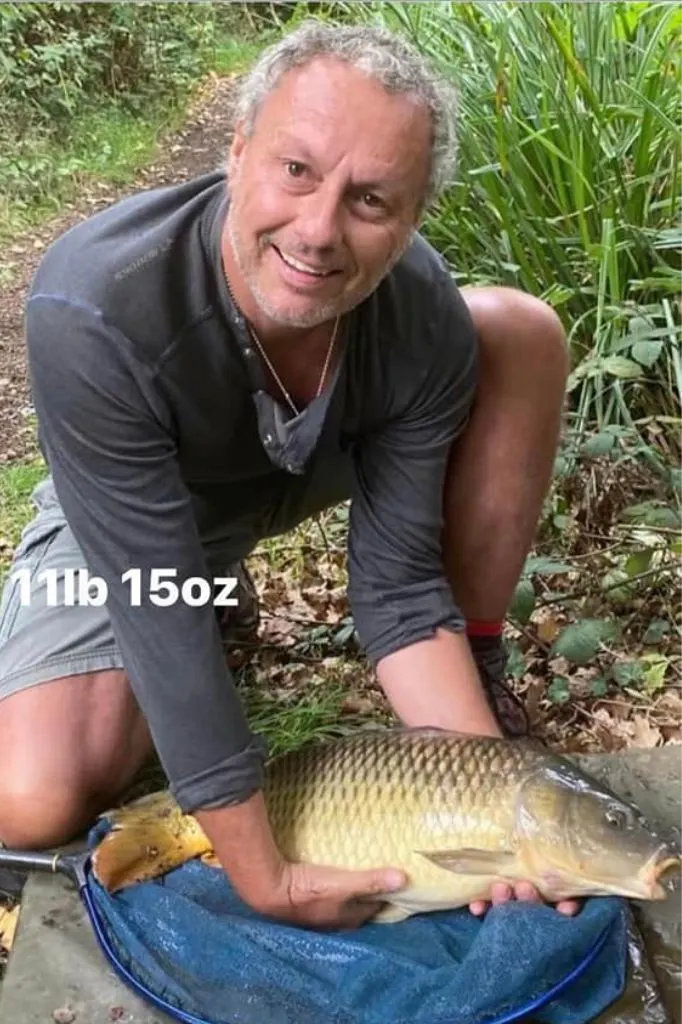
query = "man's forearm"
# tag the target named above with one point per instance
(244, 844)
(436, 682)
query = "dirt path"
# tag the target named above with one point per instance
(199, 146)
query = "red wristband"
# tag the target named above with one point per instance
(479, 627)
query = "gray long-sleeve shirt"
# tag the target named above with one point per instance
(164, 447)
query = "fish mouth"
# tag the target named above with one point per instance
(660, 873)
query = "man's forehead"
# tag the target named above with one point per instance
(322, 109)
(335, 88)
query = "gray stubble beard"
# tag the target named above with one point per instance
(321, 314)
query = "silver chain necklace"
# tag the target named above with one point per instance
(273, 371)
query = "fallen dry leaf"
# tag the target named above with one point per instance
(605, 729)
(278, 630)
(559, 666)
(644, 733)
(670, 703)
(356, 704)
(534, 695)
(8, 926)
(548, 628)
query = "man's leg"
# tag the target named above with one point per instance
(71, 733)
(501, 468)
(70, 748)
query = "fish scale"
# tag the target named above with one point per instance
(368, 799)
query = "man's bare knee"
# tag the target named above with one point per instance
(38, 819)
(70, 747)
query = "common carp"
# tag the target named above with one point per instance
(456, 813)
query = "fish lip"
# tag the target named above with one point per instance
(657, 873)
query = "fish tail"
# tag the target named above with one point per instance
(147, 839)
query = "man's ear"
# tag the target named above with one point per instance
(237, 145)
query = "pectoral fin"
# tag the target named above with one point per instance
(470, 861)
(391, 913)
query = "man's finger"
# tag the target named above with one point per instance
(478, 907)
(501, 893)
(527, 892)
(373, 883)
(568, 907)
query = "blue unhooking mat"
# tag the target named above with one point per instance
(196, 947)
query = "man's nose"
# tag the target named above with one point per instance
(319, 219)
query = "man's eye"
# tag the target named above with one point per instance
(294, 168)
(370, 199)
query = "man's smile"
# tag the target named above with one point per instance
(301, 269)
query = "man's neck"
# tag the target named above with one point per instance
(298, 354)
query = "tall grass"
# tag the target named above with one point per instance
(568, 184)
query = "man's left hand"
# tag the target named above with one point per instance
(524, 891)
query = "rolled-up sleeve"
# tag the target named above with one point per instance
(109, 443)
(398, 590)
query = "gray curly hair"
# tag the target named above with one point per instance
(382, 55)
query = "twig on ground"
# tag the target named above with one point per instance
(534, 639)
(324, 535)
(585, 591)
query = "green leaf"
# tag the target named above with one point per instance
(638, 561)
(646, 353)
(343, 635)
(600, 444)
(580, 641)
(638, 327)
(654, 672)
(516, 662)
(655, 631)
(523, 601)
(558, 690)
(545, 566)
(619, 366)
(652, 513)
(598, 687)
(613, 583)
(627, 673)
(562, 467)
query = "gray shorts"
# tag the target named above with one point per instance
(41, 639)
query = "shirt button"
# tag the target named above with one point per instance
(267, 440)
(248, 351)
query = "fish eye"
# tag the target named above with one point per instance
(616, 818)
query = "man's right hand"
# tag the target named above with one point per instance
(323, 897)
(309, 895)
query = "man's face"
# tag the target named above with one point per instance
(325, 194)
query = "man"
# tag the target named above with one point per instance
(210, 365)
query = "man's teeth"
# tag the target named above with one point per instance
(297, 265)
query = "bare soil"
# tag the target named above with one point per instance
(198, 147)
